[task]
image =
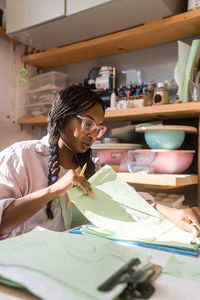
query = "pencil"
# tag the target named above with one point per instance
(83, 169)
(81, 174)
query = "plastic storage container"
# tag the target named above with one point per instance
(41, 92)
(41, 97)
(37, 110)
(47, 80)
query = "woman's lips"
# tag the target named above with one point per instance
(86, 145)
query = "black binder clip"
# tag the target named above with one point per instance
(138, 285)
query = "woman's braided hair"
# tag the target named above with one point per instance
(69, 102)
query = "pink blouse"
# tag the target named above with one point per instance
(23, 170)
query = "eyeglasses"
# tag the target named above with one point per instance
(88, 125)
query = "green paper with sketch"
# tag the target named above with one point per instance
(119, 212)
(179, 268)
(76, 264)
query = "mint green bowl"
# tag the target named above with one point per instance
(164, 139)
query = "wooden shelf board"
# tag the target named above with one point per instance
(178, 110)
(153, 33)
(164, 180)
(4, 36)
(34, 121)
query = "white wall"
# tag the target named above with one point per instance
(12, 97)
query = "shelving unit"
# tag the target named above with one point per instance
(4, 36)
(179, 110)
(150, 34)
(153, 33)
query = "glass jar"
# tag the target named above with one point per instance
(161, 94)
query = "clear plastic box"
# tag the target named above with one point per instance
(41, 96)
(37, 110)
(47, 80)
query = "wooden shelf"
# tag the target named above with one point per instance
(4, 36)
(179, 110)
(150, 34)
(34, 121)
(157, 112)
(161, 180)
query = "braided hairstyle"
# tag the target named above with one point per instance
(69, 102)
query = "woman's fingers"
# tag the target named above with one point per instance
(191, 216)
(70, 179)
(187, 219)
(84, 185)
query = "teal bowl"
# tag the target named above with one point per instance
(164, 139)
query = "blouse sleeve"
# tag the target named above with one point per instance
(10, 176)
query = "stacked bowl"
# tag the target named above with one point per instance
(164, 156)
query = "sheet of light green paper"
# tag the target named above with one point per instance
(116, 207)
(91, 229)
(10, 282)
(178, 268)
(78, 263)
(183, 52)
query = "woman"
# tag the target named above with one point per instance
(35, 175)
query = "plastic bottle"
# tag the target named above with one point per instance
(113, 100)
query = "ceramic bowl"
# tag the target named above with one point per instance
(161, 161)
(166, 136)
(113, 153)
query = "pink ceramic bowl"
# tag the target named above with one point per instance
(113, 157)
(113, 153)
(162, 161)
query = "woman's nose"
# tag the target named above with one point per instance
(93, 134)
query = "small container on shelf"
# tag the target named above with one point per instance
(37, 110)
(47, 80)
(41, 92)
(41, 97)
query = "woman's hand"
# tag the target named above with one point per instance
(70, 179)
(187, 219)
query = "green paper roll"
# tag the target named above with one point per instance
(193, 58)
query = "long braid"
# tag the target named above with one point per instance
(53, 162)
(68, 102)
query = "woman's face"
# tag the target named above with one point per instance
(72, 135)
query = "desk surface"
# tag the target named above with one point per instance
(167, 287)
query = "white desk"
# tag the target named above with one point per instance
(167, 287)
